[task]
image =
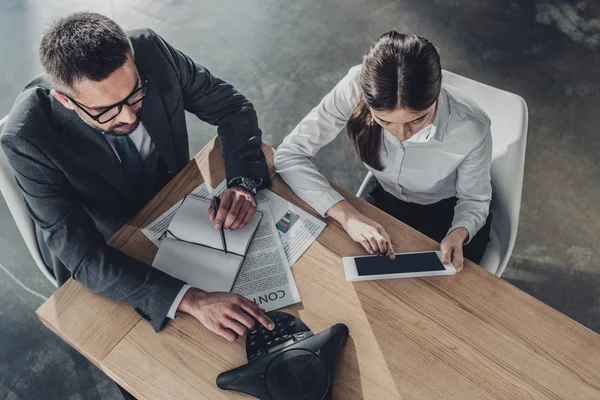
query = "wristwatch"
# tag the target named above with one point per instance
(249, 184)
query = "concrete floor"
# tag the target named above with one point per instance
(284, 56)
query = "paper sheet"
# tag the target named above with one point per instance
(297, 229)
(265, 276)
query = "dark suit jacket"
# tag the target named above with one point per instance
(75, 187)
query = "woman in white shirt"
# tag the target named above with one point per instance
(427, 144)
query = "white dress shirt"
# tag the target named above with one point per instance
(143, 143)
(450, 157)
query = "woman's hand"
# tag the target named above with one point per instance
(361, 229)
(452, 248)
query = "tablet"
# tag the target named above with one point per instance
(405, 265)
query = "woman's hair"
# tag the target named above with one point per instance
(398, 72)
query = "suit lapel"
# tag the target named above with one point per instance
(154, 118)
(89, 144)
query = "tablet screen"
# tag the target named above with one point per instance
(404, 263)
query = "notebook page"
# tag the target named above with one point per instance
(238, 240)
(191, 224)
(202, 267)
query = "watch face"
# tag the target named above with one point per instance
(251, 187)
(250, 184)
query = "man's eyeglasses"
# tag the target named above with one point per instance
(112, 111)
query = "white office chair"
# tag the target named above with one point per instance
(508, 113)
(14, 199)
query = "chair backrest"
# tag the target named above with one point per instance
(14, 199)
(508, 113)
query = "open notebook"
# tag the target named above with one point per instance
(192, 251)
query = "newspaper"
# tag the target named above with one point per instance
(265, 276)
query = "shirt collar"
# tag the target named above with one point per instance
(438, 126)
(440, 123)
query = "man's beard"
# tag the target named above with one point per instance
(112, 132)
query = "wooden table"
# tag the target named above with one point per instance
(469, 336)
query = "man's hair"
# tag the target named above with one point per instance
(83, 45)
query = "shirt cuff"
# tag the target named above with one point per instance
(177, 301)
(470, 229)
(326, 201)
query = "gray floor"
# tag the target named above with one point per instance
(285, 56)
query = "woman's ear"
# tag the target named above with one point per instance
(64, 100)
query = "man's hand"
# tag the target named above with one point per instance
(452, 248)
(227, 314)
(237, 208)
(363, 230)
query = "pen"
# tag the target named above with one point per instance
(216, 202)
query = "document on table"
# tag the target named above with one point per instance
(297, 228)
(265, 276)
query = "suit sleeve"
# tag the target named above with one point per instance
(219, 103)
(72, 236)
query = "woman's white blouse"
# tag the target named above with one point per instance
(449, 158)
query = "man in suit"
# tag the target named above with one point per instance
(96, 136)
